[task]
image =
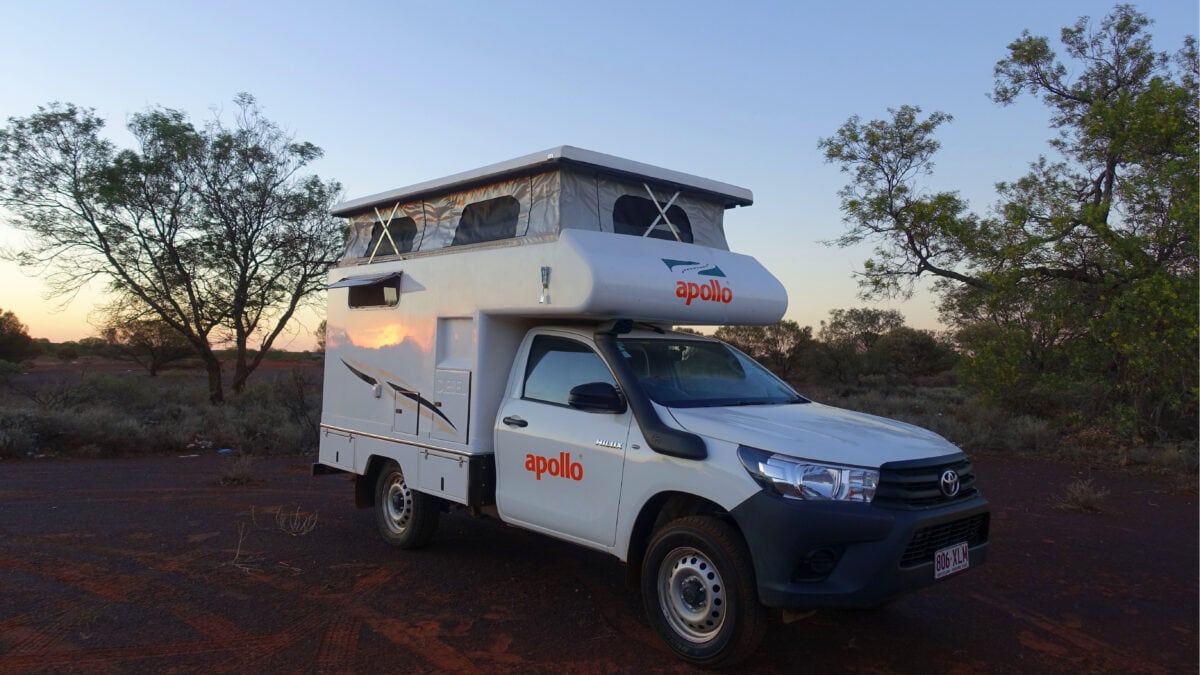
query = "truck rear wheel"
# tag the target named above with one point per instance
(405, 518)
(699, 591)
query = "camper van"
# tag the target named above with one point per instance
(500, 342)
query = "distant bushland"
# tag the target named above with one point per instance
(73, 413)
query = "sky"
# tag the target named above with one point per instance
(400, 92)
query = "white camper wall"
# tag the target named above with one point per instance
(383, 363)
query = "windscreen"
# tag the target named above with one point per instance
(695, 373)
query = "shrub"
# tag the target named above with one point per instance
(132, 413)
(904, 354)
(15, 344)
(17, 436)
(1082, 495)
(238, 471)
(280, 416)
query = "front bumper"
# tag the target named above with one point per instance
(846, 555)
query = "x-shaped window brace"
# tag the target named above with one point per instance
(662, 213)
(662, 216)
(386, 224)
(387, 233)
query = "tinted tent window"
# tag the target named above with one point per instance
(556, 365)
(403, 231)
(632, 215)
(487, 221)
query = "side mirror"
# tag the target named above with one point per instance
(599, 397)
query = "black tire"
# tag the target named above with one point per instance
(406, 518)
(700, 594)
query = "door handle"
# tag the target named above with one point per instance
(514, 421)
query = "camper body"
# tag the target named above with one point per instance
(499, 341)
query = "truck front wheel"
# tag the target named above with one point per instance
(405, 518)
(699, 590)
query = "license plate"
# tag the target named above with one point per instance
(951, 559)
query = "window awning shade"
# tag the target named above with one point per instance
(365, 280)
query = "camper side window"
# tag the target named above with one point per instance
(633, 215)
(384, 293)
(403, 233)
(488, 220)
(556, 365)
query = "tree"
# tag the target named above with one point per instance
(915, 233)
(905, 353)
(15, 344)
(276, 239)
(859, 327)
(319, 334)
(214, 230)
(1087, 268)
(94, 346)
(143, 337)
(782, 347)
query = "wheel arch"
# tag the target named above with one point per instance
(659, 510)
(364, 483)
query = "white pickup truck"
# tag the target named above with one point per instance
(499, 341)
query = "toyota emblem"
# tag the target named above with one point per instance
(950, 484)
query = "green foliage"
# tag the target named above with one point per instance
(855, 344)
(905, 354)
(1077, 297)
(859, 327)
(1148, 330)
(15, 344)
(915, 233)
(837, 362)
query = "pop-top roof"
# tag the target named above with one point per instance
(731, 195)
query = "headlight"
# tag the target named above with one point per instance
(802, 479)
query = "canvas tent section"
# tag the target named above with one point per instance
(533, 198)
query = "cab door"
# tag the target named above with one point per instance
(558, 468)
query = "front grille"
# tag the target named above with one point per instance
(917, 485)
(928, 540)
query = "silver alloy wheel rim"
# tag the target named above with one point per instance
(692, 595)
(397, 503)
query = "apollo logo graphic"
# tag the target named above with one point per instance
(713, 291)
(559, 467)
(710, 291)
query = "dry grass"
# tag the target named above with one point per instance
(244, 562)
(1084, 495)
(295, 523)
(239, 471)
(133, 414)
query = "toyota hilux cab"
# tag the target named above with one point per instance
(499, 342)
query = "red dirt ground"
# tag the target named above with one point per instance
(150, 565)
